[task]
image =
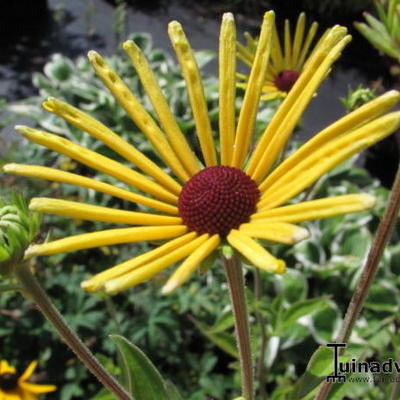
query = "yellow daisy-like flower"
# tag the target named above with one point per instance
(14, 387)
(237, 195)
(287, 62)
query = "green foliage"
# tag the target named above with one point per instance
(383, 32)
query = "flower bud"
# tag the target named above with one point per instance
(18, 228)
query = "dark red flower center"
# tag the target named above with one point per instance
(218, 199)
(8, 382)
(285, 80)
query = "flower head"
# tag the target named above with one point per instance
(16, 387)
(287, 61)
(234, 195)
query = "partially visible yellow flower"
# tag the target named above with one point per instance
(14, 387)
(287, 61)
(235, 195)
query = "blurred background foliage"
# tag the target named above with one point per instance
(189, 335)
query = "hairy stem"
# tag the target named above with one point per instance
(234, 274)
(34, 291)
(382, 236)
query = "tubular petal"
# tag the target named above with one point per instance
(287, 45)
(227, 88)
(147, 271)
(283, 133)
(105, 238)
(96, 161)
(255, 253)
(182, 274)
(52, 174)
(276, 126)
(138, 114)
(195, 89)
(317, 209)
(97, 282)
(36, 389)
(298, 39)
(280, 232)
(29, 371)
(99, 131)
(277, 58)
(167, 120)
(355, 119)
(299, 64)
(251, 99)
(326, 158)
(84, 211)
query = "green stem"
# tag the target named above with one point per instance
(382, 236)
(35, 292)
(234, 274)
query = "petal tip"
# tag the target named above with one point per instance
(368, 201)
(300, 234)
(169, 287)
(32, 251)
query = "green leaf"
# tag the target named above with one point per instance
(142, 379)
(301, 309)
(223, 340)
(383, 297)
(172, 391)
(224, 322)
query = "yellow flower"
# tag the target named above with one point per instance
(14, 387)
(237, 195)
(287, 62)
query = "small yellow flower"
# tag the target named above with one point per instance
(14, 387)
(236, 195)
(286, 63)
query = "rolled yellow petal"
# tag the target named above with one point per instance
(97, 281)
(326, 158)
(29, 371)
(74, 209)
(195, 89)
(280, 232)
(97, 161)
(306, 46)
(255, 253)
(139, 115)
(36, 389)
(277, 59)
(287, 45)
(318, 209)
(147, 271)
(251, 99)
(244, 55)
(96, 129)
(366, 113)
(105, 238)
(289, 112)
(298, 39)
(227, 87)
(167, 120)
(183, 272)
(56, 175)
